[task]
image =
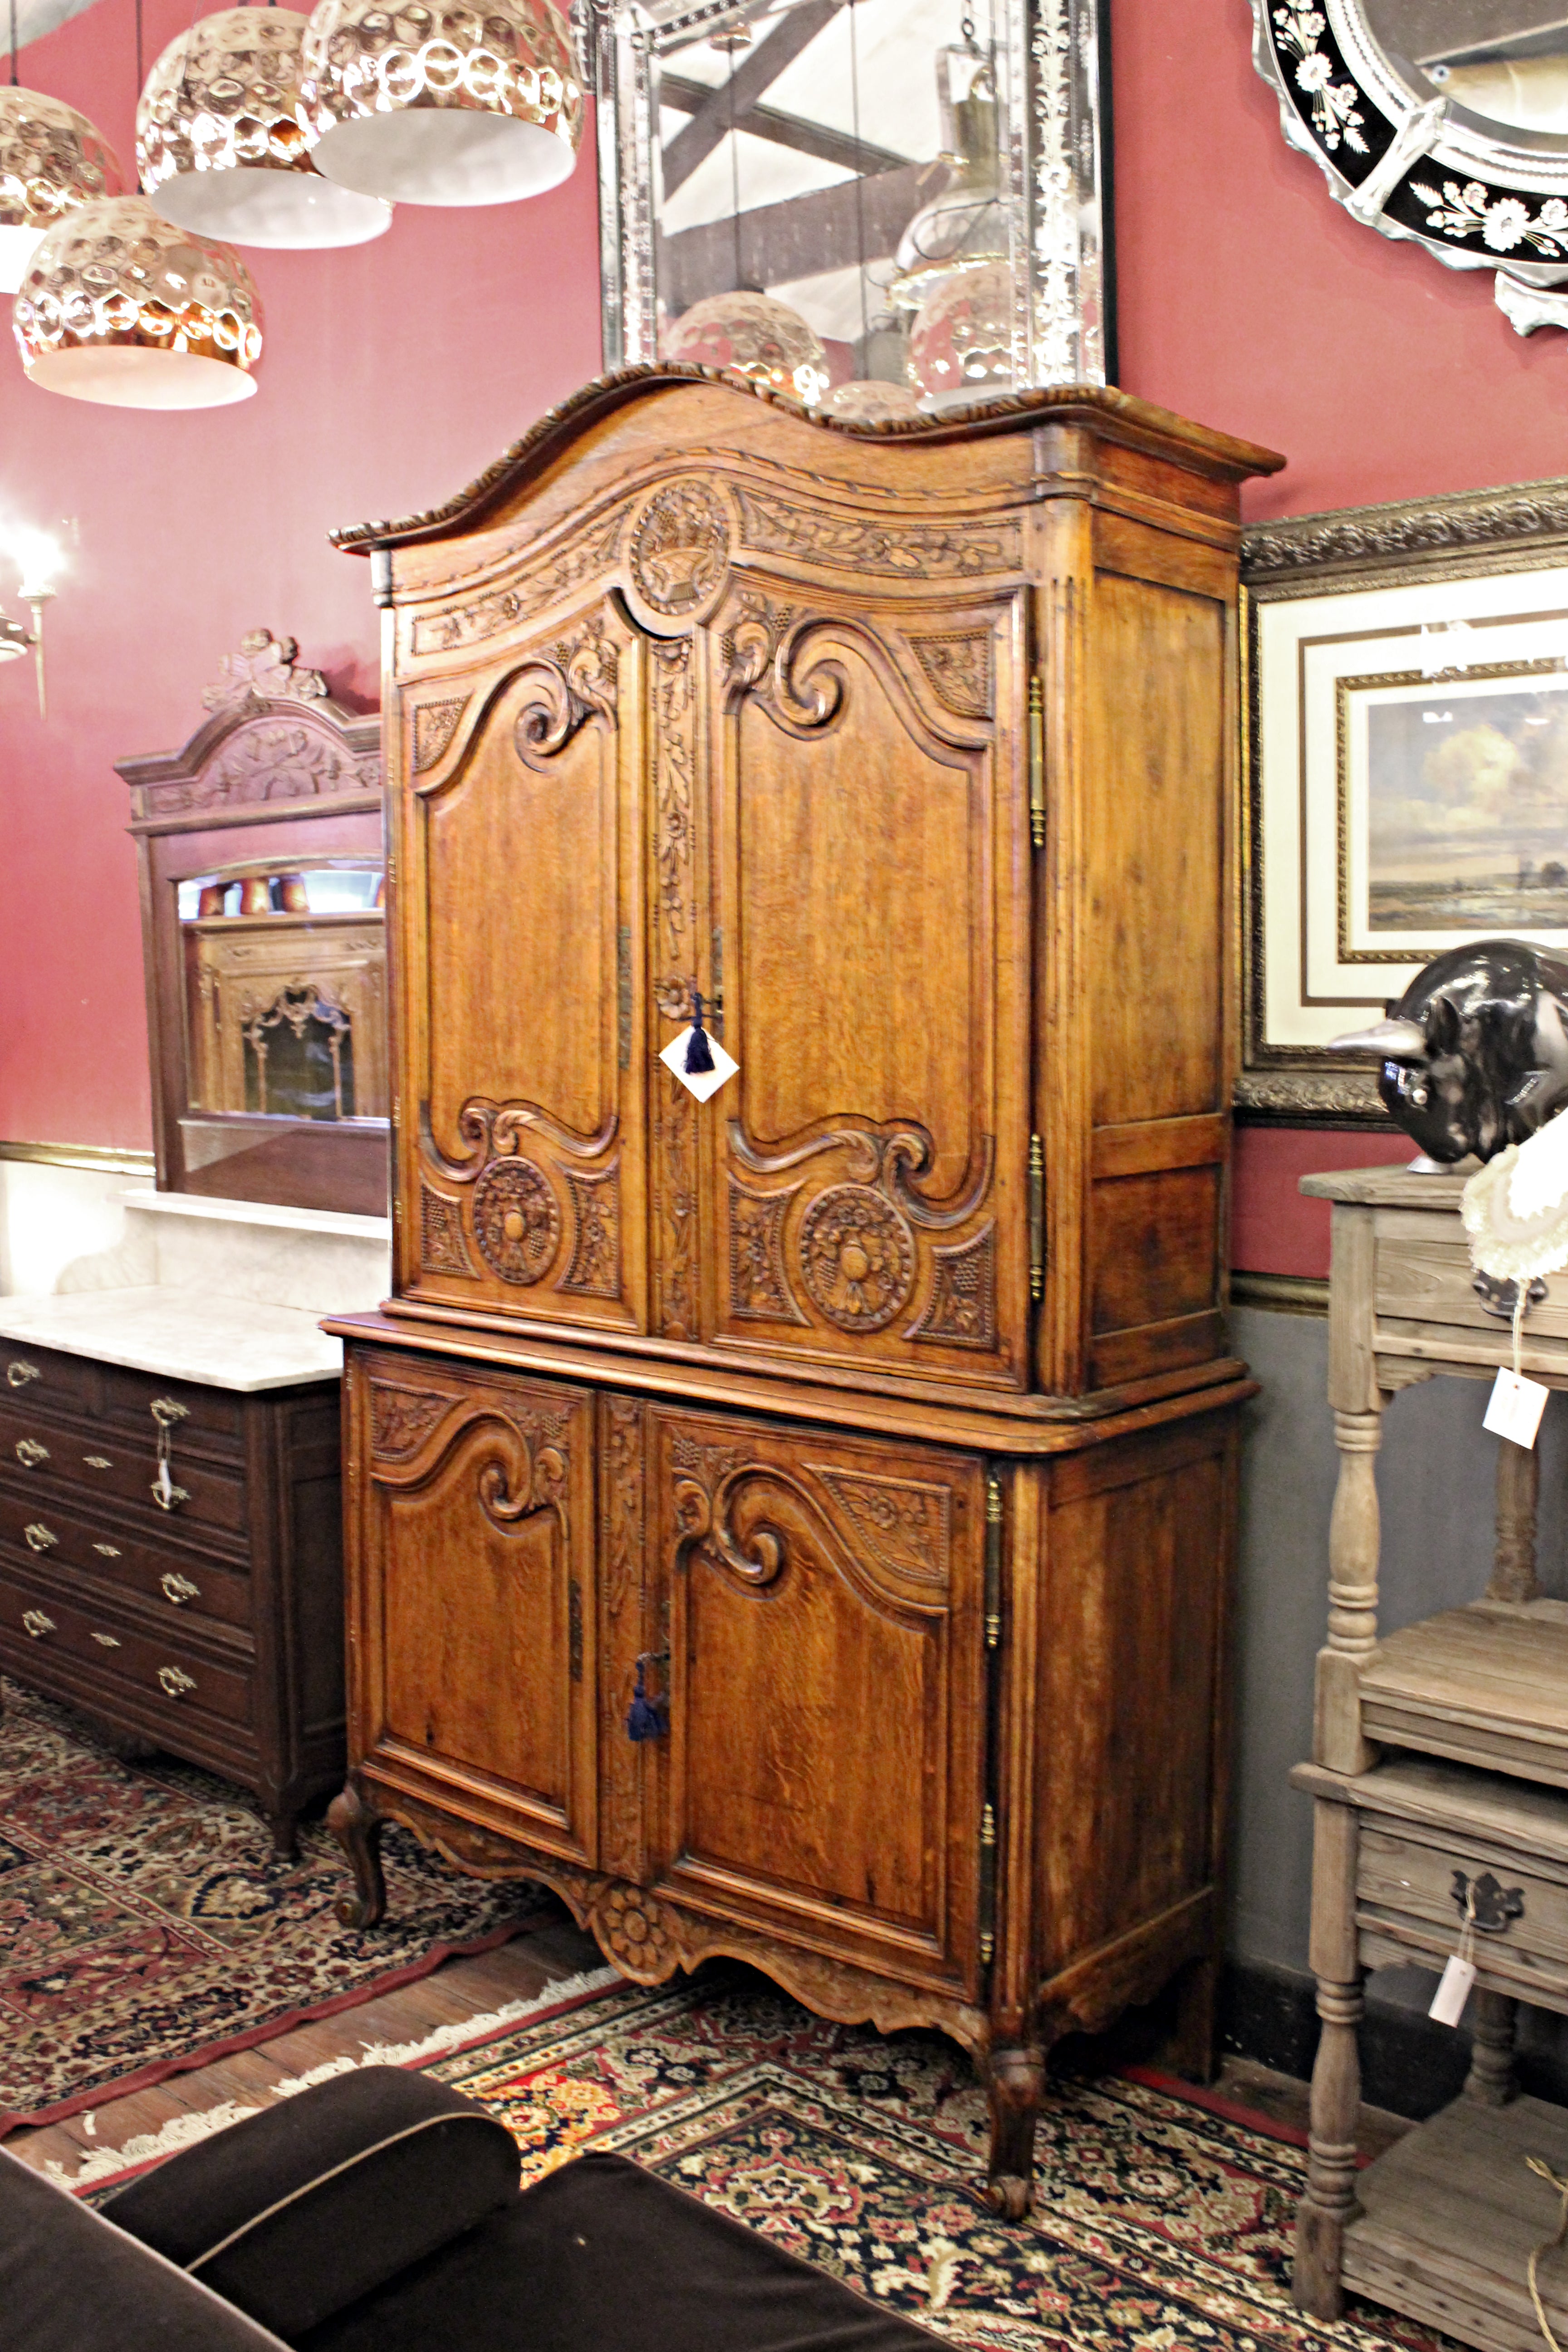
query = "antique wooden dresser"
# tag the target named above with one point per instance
(866, 1433)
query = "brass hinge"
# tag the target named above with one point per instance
(993, 1562)
(1036, 761)
(624, 996)
(987, 1887)
(1036, 1218)
(574, 1629)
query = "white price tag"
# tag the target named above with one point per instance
(1453, 1991)
(701, 1083)
(1515, 1408)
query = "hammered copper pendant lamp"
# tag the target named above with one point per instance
(222, 144)
(51, 161)
(120, 307)
(439, 103)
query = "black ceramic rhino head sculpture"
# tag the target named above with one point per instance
(1475, 1053)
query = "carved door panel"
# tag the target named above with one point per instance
(523, 1190)
(475, 1643)
(871, 850)
(823, 1776)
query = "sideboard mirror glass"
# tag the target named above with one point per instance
(870, 204)
(1444, 121)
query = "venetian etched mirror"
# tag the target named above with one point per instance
(875, 206)
(1441, 121)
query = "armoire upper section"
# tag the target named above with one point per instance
(913, 750)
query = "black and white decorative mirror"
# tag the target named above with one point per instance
(1441, 121)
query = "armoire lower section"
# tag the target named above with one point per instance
(931, 1733)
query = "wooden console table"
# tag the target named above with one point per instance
(1442, 2226)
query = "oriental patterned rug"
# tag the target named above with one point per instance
(1159, 2225)
(146, 1924)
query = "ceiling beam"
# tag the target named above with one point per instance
(832, 229)
(757, 70)
(851, 154)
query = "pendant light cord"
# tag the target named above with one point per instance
(140, 76)
(860, 180)
(13, 44)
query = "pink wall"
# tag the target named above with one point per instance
(392, 373)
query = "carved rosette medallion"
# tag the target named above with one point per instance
(435, 724)
(631, 1928)
(517, 1222)
(961, 1311)
(679, 550)
(759, 1286)
(595, 1268)
(401, 1419)
(858, 1256)
(442, 1249)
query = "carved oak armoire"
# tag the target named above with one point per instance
(873, 1417)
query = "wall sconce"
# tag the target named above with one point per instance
(38, 558)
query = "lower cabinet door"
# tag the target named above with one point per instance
(823, 1776)
(470, 1604)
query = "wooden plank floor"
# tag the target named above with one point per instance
(523, 1969)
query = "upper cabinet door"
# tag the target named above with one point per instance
(523, 1157)
(869, 780)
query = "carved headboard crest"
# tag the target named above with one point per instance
(262, 670)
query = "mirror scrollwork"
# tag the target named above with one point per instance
(1444, 121)
(873, 205)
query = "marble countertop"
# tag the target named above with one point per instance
(184, 1335)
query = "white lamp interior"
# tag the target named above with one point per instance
(293, 210)
(441, 155)
(133, 375)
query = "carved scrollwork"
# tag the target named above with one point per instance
(595, 1271)
(679, 548)
(402, 1418)
(958, 668)
(579, 680)
(887, 1157)
(759, 1285)
(435, 724)
(501, 608)
(962, 1310)
(516, 1220)
(442, 1248)
(856, 1257)
(526, 1468)
(496, 1129)
(705, 1479)
(749, 646)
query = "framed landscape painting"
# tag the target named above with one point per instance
(1406, 767)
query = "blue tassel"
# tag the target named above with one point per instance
(645, 1719)
(698, 1053)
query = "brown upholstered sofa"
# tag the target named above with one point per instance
(381, 2212)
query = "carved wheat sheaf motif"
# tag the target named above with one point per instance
(442, 1249)
(904, 1525)
(961, 1311)
(435, 724)
(595, 1268)
(401, 1419)
(959, 670)
(759, 1285)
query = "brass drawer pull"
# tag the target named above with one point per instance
(1492, 1906)
(179, 1589)
(175, 1682)
(109, 1551)
(169, 1497)
(108, 1641)
(29, 1452)
(36, 1623)
(38, 1538)
(165, 1412)
(17, 1373)
(98, 1460)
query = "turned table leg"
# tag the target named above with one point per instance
(1330, 2202)
(1355, 1541)
(1016, 2086)
(357, 1828)
(1517, 1490)
(1494, 2018)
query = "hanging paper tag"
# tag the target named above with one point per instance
(701, 1083)
(1515, 1408)
(165, 1487)
(1453, 1991)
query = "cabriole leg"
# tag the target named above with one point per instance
(1015, 2086)
(357, 1828)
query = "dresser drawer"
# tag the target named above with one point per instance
(66, 1546)
(37, 1626)
(118, 1466)
(42, 1376)
(1409, 1907)
(201, 1413)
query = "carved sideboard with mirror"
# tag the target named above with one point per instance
(264, 933)
(797, 1523)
